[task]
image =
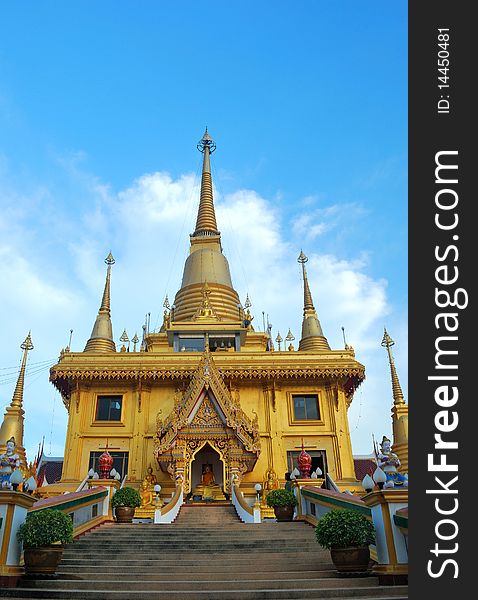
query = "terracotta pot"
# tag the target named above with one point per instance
(284, 513)
(43, 560)
(354, 559)
(124, 514)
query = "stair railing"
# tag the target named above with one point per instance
(247, 514)
(167, 513)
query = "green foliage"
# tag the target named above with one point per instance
(45, 527)
(126, 496)
(280, 497)
(344, 528)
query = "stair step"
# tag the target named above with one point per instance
(208, 554)
(222, 594)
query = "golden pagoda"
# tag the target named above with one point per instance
(399, 410)
(12, 426)
(207, 393)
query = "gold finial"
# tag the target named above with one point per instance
(27, 344)
(101, 339)
(387, 342)
(105, 302)
(206, 220)
(308, 303)
(302, 258)
(279, 339)
(312, 338)
(18, 393)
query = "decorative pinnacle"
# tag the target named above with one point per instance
(17, 399)
(289, 337)
(387, 342)
(247, 303)
(206, 141)
(279, 339)
(27, 344)
(308, 302)
(302, 258)
(206, 219)
(124, 336)
(105, 301)
(166, 304)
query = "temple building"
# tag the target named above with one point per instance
(207, 397)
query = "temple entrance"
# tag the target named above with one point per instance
(207, 475)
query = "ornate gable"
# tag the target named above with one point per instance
(206, 403)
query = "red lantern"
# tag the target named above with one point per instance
(304, 463)
(105, 464)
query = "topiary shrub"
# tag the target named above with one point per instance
(344, 528)
(45, 527)
(126, 496)
(280, 497)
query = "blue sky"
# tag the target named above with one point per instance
(101, 106)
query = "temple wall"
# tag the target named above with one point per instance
(279, 432)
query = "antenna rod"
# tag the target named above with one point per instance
(343, 333)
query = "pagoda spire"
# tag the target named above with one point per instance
(313, 339)
(387, 342)
(206, 263)
(206, 219)
(101, 339)
(12, 426)
(399, 410)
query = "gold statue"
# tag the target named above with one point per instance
(270, 482)
(151, 477)
(208, 489)
(146, 493)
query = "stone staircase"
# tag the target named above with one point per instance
(208, 554)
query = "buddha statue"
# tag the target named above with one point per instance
(146, 493)
(208, 489)
(270, 482)
(151, 477)
(389, 462)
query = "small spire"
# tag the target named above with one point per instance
(101, 339)
(13, 419)
(387, 342)
(313, 338)
(308, 303)
(206, 224)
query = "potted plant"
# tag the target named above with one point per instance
(283, 502)
(125, 501)
(347, 533)
(43, 534)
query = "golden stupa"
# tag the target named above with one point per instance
(207, 389)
